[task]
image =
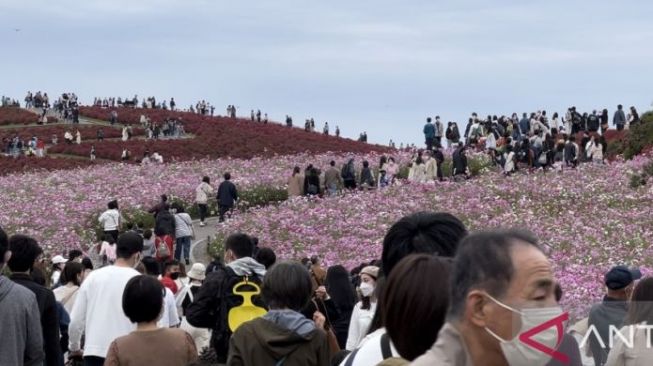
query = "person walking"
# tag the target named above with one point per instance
(348, 174)
(19, 318)
(97, 313)
(25, 251)
(184, 233)
(148, 344)
(283, 336)
(227, 196)
(111, 220)
(202, 194)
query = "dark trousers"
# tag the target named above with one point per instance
(113, 233)
(204, 210)
(429, 143)
(223, 210)
(438, 141)
(93, 361)
(620, 127)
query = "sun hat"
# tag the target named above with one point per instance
(197, 272)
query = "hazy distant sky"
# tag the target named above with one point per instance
(377, 66)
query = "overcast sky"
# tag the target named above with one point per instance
(377, 66)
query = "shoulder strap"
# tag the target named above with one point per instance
(386, 351)
(352, 356)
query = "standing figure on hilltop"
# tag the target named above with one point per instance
(252, 115)
(439, 131)
(429, 134)
(326, 128)
(337, 131)
(258, 116)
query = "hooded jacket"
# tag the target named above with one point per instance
(22, 341)
(281, 337)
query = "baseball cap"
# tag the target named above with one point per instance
(621, 276)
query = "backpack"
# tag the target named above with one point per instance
(162, 248)
(221, 332)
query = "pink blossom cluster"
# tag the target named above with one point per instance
(587, 219)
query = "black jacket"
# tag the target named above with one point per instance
(459, 162)
(49, 318)
(227, 194)
(164, 224)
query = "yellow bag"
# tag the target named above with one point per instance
(247, 311)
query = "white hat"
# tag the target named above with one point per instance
(58, 259)
(197, 272)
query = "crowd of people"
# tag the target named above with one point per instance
(437, 295)
(314, 181)
(532, 141)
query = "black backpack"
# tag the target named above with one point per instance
(221, 332)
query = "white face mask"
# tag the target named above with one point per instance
(518, 353)
(366, 289)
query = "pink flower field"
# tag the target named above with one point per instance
(588, 219)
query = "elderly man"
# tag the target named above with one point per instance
(504, 289)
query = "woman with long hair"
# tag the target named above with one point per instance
(341, 291)
(363, 312)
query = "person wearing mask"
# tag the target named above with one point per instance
(619, 118)
(612, 311)
(363, 312)
(169, 315)
(97, 313)
(283, 336)
(202, 194)
(295, 183)
(66, 294)
(24, 253)
(184, 234)
(111, 220)
(227, 196)
(170, 275)
(22, 342)
(496, 277)
(216, 292)
(429, 133)
(149, 344)
(409, 309)
(58, 263)
(639, 318)
(185, 297)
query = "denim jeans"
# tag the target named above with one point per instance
(183, 244)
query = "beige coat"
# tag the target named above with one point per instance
(295, 185)
(448, 350)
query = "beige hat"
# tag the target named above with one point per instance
(371, 271)
(58, 259)
(197, 272)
